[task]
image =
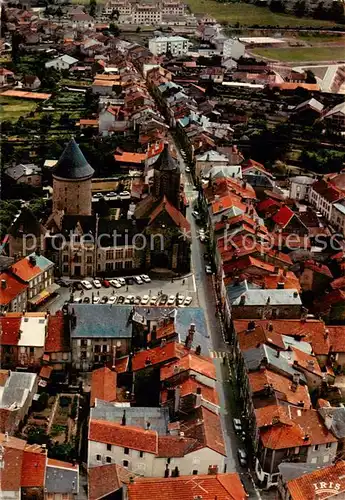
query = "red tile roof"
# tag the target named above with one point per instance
(190, 362)
(208, 487)
(12, 290)
(283, 216)
(248, 262)
(290, 280)
(45, 372)
(338, 283)
(121, 364)
(106, 479)
(126, 157)
(226, 202)
(313, 331)
(281, 385)
(59, 463)
(24, 270)
(13, 460)
(190, 386)
(306, 361)
(126, 436)
(10, 326)
(169, 352)
(271, 415)
(320, 484)
(175, 446)
(206, 427)
(318, 268)
(33, 467)
(249, 339)
(55, 339)
(327, 191)
(267, 204)
(175, 214)
(252, 163)
(336, 336)
(103, 385)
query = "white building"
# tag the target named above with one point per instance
(25, 174)
(322, 195)
(176, 45)
(233, 49)
(206, 161)
(146, 14)
(62, 62)
(300, 186)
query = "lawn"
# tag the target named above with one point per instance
(250, 15)
(300, 54)
(12, 109)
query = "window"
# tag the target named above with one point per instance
(126, 451)
(65, 258)
(65, 269)
(129, 253)
(125, 463)
(108, 460)
(316, 447)
(195, 472)
(168, 460)
(32, 350)
(96, 358)
(84, 342)
(89, 259)
(98, 458)
(104, 348)
(119, 254)
(109, 255)
(326, 459)
(328, 445)
(141, 454)
(108, 266)
(118, 265)
(97, 348)
(108, 447)
(128, 264)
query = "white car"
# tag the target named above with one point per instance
(195, 214)
(187, 170)
(171, 300)
(115, 283)
(77, 300)
(145, 278)
(138, 280)
(188, 301)
(130, 299)
(145, 299)
(112, 299)
(153, 300)
(208, 269)
(125, 194)
(180, 300)
(86, 284)
(96, 300)
(97, 283)
(122, 281)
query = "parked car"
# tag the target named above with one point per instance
(129, 281)
(153, 300)
(86, 284)
(97, 283)
(96, 300)
(77, 300)
(115, 283)
(138, 280)
(62, 282)
(187, 170)
(163, 300)
(122, 281)
(97, 195)
(237, 425)
(77, 285)
(195, 214)
(171, 300)
(124, 194)
(208, 269)
(145, 299)
(137, 300)
(121, 299)
(86, 300)
(106, 283)
(112, 299)
(242, 457)
(188, 301)
(130, 299)
(180, 300)
(104, 299)
(145, 278)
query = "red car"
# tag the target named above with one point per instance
(106, 283)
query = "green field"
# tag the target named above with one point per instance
(300, 54)
(249, 15)
(12, 109)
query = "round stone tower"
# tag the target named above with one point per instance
(72, 182)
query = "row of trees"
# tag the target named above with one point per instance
(331, 12)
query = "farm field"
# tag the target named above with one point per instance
(12, 109)
(249, 15)
(300, 54)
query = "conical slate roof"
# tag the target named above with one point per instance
(166, 161)
(72, 163)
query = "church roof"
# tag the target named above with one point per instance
(72, 163)
(25, 223)
(166, 161)
(176, 215)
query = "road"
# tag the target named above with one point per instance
(207, 301)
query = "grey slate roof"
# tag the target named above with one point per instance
(166, 161)
(290, 471)
(101, 320)
(137, 416)
(17, 389)
(334, 420)
(72, 164)
(60, 480)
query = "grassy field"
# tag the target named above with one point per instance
(12, 109)
(300, 54)
(249, 15)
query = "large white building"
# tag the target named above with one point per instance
(176, 45)
(233, 49)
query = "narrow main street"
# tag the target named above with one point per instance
(207, 301)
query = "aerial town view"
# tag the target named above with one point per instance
(172, 236)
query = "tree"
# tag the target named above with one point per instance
(59, 12)
(17, 39)
(114, 29)
(310, 77)
(277, 6)
(138, 29)
(37, 435)
(300, 8)
(115, 14)
(64, 452)
(92, 10)
(336, 12)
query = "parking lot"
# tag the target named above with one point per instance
(134, 293)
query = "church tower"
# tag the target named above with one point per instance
(72, 182)
(167, 178)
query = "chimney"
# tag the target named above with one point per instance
(177, 397)
(285, 273)
(268, 300)
(123, 421)
(326, 333)
(276, 269)
(3, 284)
(270, 327)
(242, 300)
(154, 333)
(166, 472)
(198, 350)
(148, 425)
(280, 285)
(251, 326)
(277, 354)
(198, 398)
(190, 336)
(295, 295)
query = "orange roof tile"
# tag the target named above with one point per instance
(271, 415)
(318, 267)
(59, 463)
(126, 436)
(10, 326)
(190, 362)
(174, 446)
(39, 96)
(34, 467)
(121, 364)
(103, 385)
(175, 214)
(205, 427)
(226, 202)
(251, 338)
(46, 371)
(126, 157)
(190, 386)
(283, 216)
(306, 361)
(12, 290)
(336, 336)
(106, 479)
(55, 339)
(24, 270)
(220, 486)
(320, 484)
(169, 352)
(294, 86)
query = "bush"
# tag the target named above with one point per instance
(64, 401)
